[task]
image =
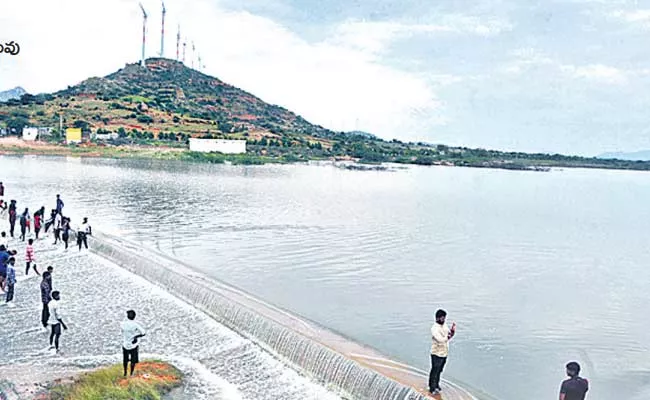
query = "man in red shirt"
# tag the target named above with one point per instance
(574, 388)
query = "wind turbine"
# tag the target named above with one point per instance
(184, 44)
(144, 31)
(162, 33)
(178, 40)
(193, 48)
(199, 62)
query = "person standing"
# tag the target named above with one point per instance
(576, 387)
(5, 255)
(50, 221)
(3, 206)
(65, 230)
(131, 332)
(23, 223)
(11, 282)
(55, 320)
(82, 233)
(440, 334)
(12, 217)
(59, 204)
(30, 261)
(38, 221)
(58, 224)
(46, 296)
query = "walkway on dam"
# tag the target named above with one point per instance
(95, 295)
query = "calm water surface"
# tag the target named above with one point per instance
(536, 268)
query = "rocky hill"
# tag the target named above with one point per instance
(165, 97)
(14, 93)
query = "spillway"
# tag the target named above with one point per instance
(351, 369)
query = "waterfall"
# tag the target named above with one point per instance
(310, 348)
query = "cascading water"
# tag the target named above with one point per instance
(269, 327)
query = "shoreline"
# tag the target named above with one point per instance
(14, 146)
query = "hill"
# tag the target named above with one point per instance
(165, 103)
(14, 93)
(643, 155)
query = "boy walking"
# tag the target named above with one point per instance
(131, 332)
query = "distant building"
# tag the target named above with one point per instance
(73, 135)
(105, 136)
(30, 134)
(218, 145)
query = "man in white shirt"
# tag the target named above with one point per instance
(131, 332)
(440, 334)
(55, 320)
(83, 231)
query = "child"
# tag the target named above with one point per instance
(29, 257)
(10, 282)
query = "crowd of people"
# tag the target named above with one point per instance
(52, 314)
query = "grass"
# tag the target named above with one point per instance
(152, 379)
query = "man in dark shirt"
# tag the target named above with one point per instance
(574, 388)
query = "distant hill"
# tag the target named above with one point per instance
(167, 95)
(165, 103)
(643, 155)
(14, 93)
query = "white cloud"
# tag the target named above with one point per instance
(642, 16)
(528, 59)
(329, 83)
(374, 37)
(597, 72)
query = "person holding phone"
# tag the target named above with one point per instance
(441, 334)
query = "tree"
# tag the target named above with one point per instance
(121, 132)
(15, 124)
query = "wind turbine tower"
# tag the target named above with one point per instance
(199, 69)
(144, 31)
(193, 48)
(162, 33)
(178, 41)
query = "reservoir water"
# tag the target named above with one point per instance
(537, 269)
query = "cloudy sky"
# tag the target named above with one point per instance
(569, 76)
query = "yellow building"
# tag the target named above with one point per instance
(73, 135)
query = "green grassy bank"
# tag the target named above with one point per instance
(152, 380)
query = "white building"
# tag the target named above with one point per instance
(218, 145)
(30, 134)
(105, 136)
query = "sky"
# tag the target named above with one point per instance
(556, 76)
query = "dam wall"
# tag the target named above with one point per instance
(348, 368)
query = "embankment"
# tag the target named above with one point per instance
(353, 370)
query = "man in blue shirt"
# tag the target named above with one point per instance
(59, 204)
